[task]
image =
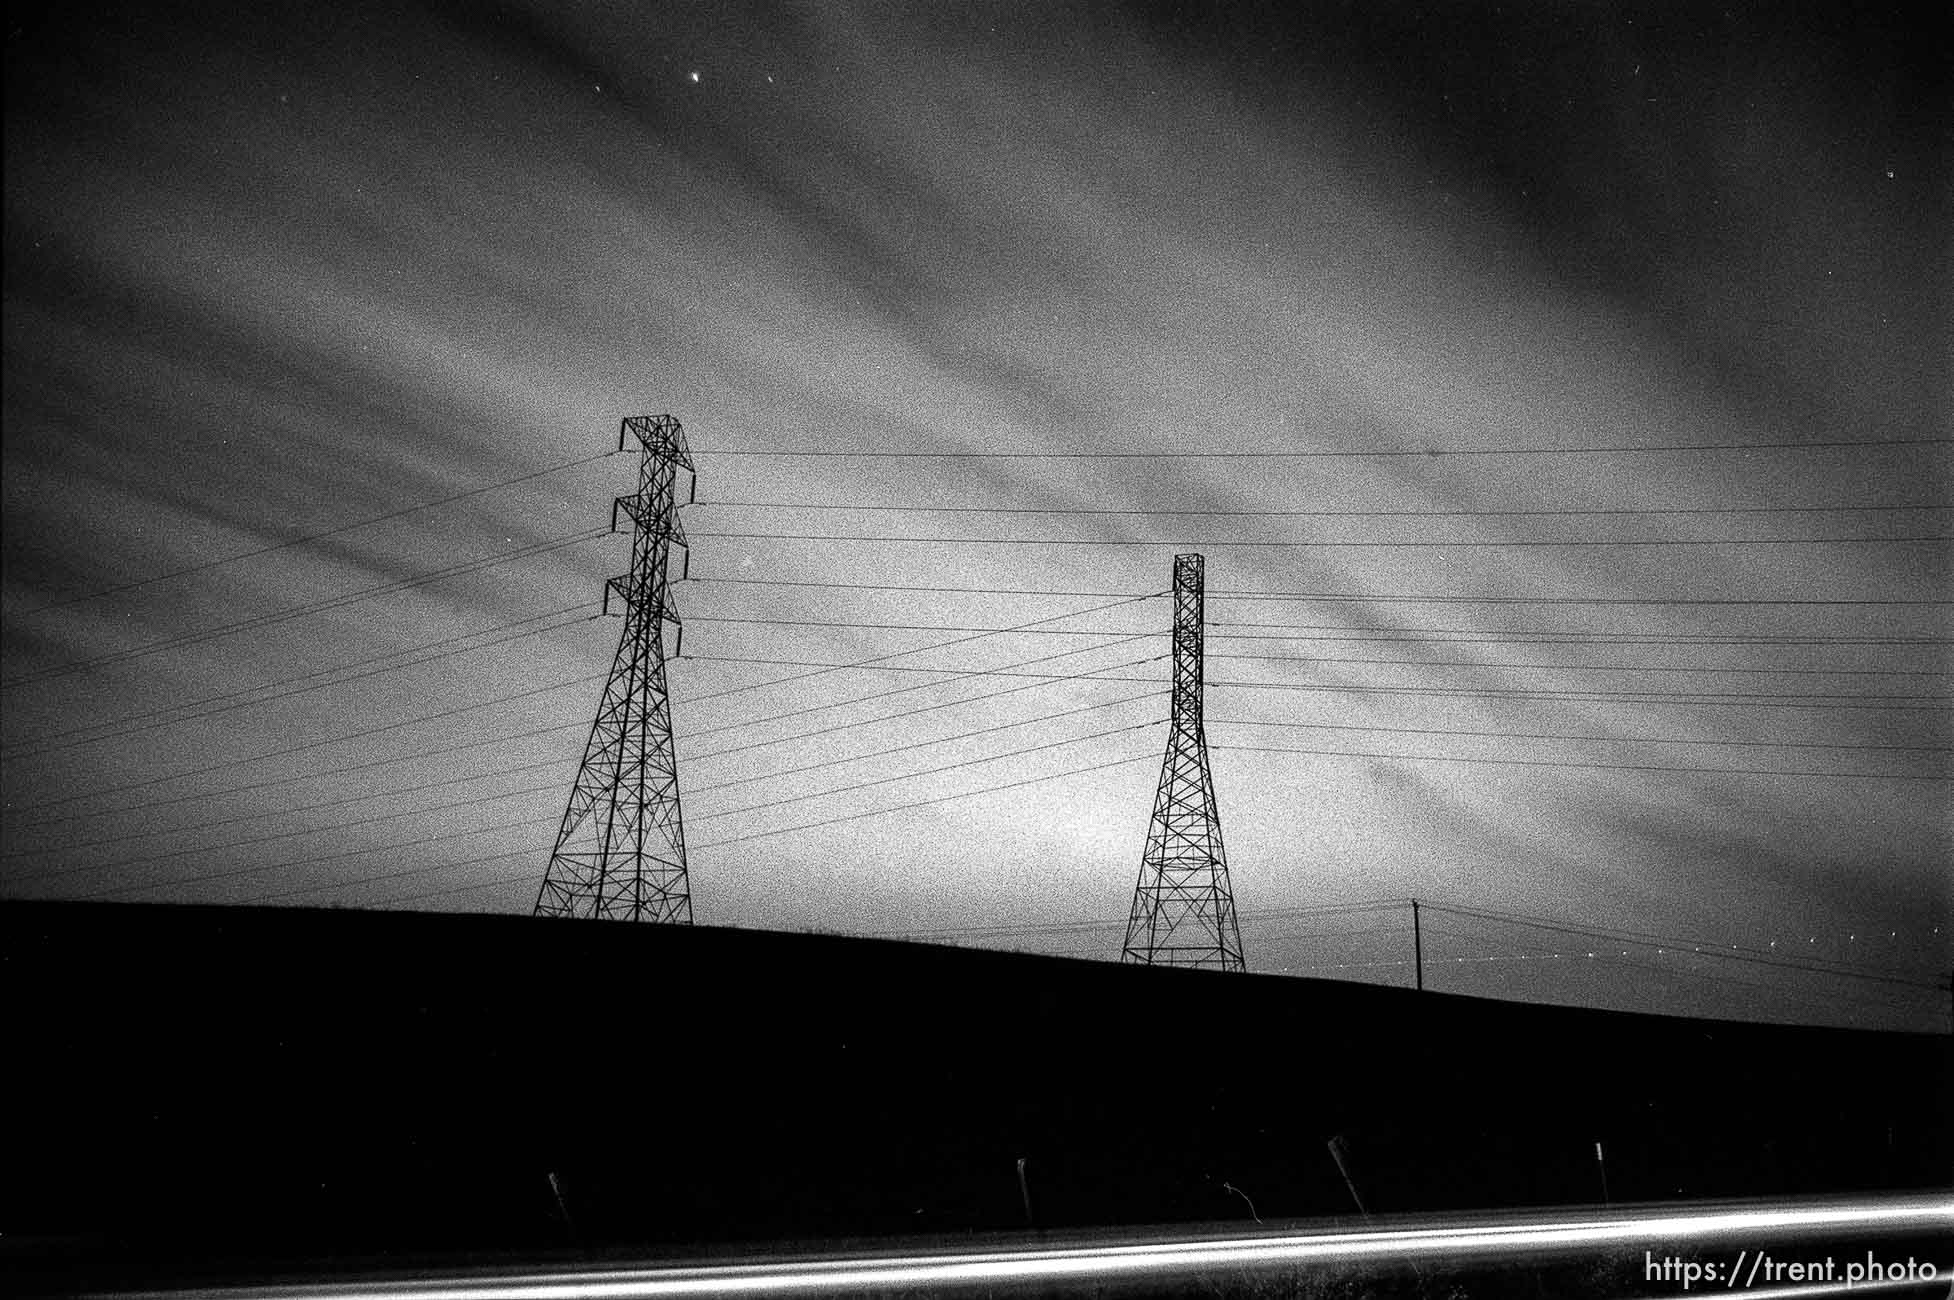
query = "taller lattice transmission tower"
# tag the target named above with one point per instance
(620, 853)
(1183, 908)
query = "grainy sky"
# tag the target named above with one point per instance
(274, 274)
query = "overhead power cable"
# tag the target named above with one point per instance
(319, 775)
(865, 666)
(1697, 947)
(1368, 597)
(932, 771)
(919, 744)
(449, 805)
(150, 833)
(1728, 699)
(1592, 737)
(1323, 454)
(1053, 927)
(394, 792)
(947, 673)
(1212, 543)
(831, 821)
(418, 810)
(321, 606)
(423, 870)
(410, 657)
(1515, 951)
(1597, 767)
(1400, 931)
(1086, 675)
(365, 851)
(322, 743)
(873, 660)
(848, 507)
(1744, 699)
(1553, 636)
(313, 537)
(1381, 637)
(1508, 665)
(1437, 599)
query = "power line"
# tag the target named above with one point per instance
(320, 744)
(1382, 635)
(1467, 636)
(1089, 675)
(470, 778)
(483, 742)
(920, 744)
(1550, 735)
(1733, 699)
(866, 666)
(285, 811)
(883, 586)
(931, 771)
(1421, 453)
(1728, 699)
(419, 810)
(1301, 514)
(1369, 597)
(425, 809)
(1527, 953)
(400, 875)
(831, 821)
(330, 857)
(1481, 635)
(320, 775)
(1607, 668)
(578, 681)
(1601, 767)
(1553, 600)
(826, 668)
(1120, 925)
(1211, 543)
(302, 611)
(924, 803)
(313, 537)
(1430, 663)
(1552, 636)
(120, 731)
(1698, 947)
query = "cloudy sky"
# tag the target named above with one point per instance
(1499, 360)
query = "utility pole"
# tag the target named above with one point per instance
(1183, 907)
(620, 852)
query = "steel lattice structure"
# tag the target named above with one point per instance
(1183, 907)
(620, 853)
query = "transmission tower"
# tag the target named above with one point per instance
(1183, 908)
(620, 853)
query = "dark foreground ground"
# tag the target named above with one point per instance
(195, 1083)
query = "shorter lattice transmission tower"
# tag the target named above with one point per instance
(1183, 908)
(620, 852)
